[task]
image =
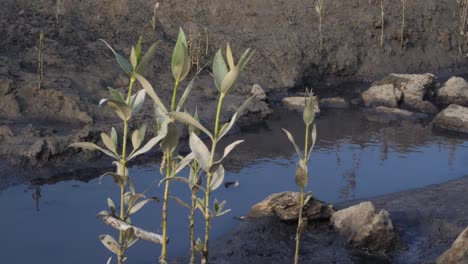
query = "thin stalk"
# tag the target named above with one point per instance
(320, 30)
(40, 61)
(166, 188)
(403, 22)
(193, 207)
(208, 183)
(123, 163)
(301, 201)
(382, 20)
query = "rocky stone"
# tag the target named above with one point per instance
(415, 87)
(297, 103)
(286, 206)
(454, 117)
(258, 92)
(6, 86)
(458, 252)
(382, 95)
(9, 107)
(5, 133)
(399, 113)
(334, 102)
(454, 91)
(363, 227)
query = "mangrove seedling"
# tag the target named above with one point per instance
(382, 22)
(302, 174)
(153, 18)
(40, 61)
(130, 201)
(319, 10)
(224, 80)
(180, 67)
(403, 20)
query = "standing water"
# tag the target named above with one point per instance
(353, 158)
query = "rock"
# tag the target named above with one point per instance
(382, 95)
(458, 252)
(6, 86)
(414, 86)
(286, 206)
(454, 91)
(454, 117)
(5, 133)
(334, 102)
(256, 110)
(9, 107)
(400, 113)
(43, 149)
(298, 103)
(258, 92)
(363, 227)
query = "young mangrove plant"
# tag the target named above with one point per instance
(180, 67)
(319, 10)
(130, 201)
(403, 21)
(40, 61)
(224, 80)
(382, 22)
(153, 18)
(302, 174)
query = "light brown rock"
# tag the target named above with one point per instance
(298, 103)
(454, 117)
(458, 252)
(454, 91)
(382, 95)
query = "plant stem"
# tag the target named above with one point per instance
(403, 23)
(208, 182)
(166, 188)
(192, 214)
(299, 227)
(382, 23)
(306, 144)
(123, 163)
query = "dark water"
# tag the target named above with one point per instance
(353, 158)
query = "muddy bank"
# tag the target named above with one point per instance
(426, 221)
(37, 125)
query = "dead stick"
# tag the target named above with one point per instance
(140, 233)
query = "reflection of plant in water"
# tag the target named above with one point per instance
(350, 175)
(302, 173)
(37, 196)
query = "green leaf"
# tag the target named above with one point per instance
(189, 120)
(291, 138)
(244, 59)
(92, 146)
(114, 137)
(309, 110)
(227, 150)
(187, 91)
(314, 137)
(183, 163)
(116, 95)
(229, 57)
(150, 91)
(133, 58)
(127, 67)
(138, 136)
(122, 109)
(229, 80)
(138, 49)
(137, 101)
(137, 207)
(201, 152)
(149, 55)
(302, 175)
(219, 69)
(111, 205)
(147, 147)
(109, 143)
(180, 179)
(118, 179)
(217, 178)
(109, 260)
(110, 243)
(171, 140)
(227, 127)
(180, 58)
(199, 245)
(102, 214)
(180, 201)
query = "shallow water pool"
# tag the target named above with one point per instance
(353, 158)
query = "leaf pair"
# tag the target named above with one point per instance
(138, 62)
(180, 64)
(224, 79)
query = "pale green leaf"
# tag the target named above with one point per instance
(302, 175)
(133, 58)
(137, 101)
(219, 69)
(201, 152)
(217, 178)
(229, 57)
(229, 80)
(92, 146)
(149, 55)
(114, 137)
(110, 243)
(109, 143)
(291, 138)
(138, 136)
(171, 140)
(189, 120)
(147, 147)
(127, 67)
(150, 91)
